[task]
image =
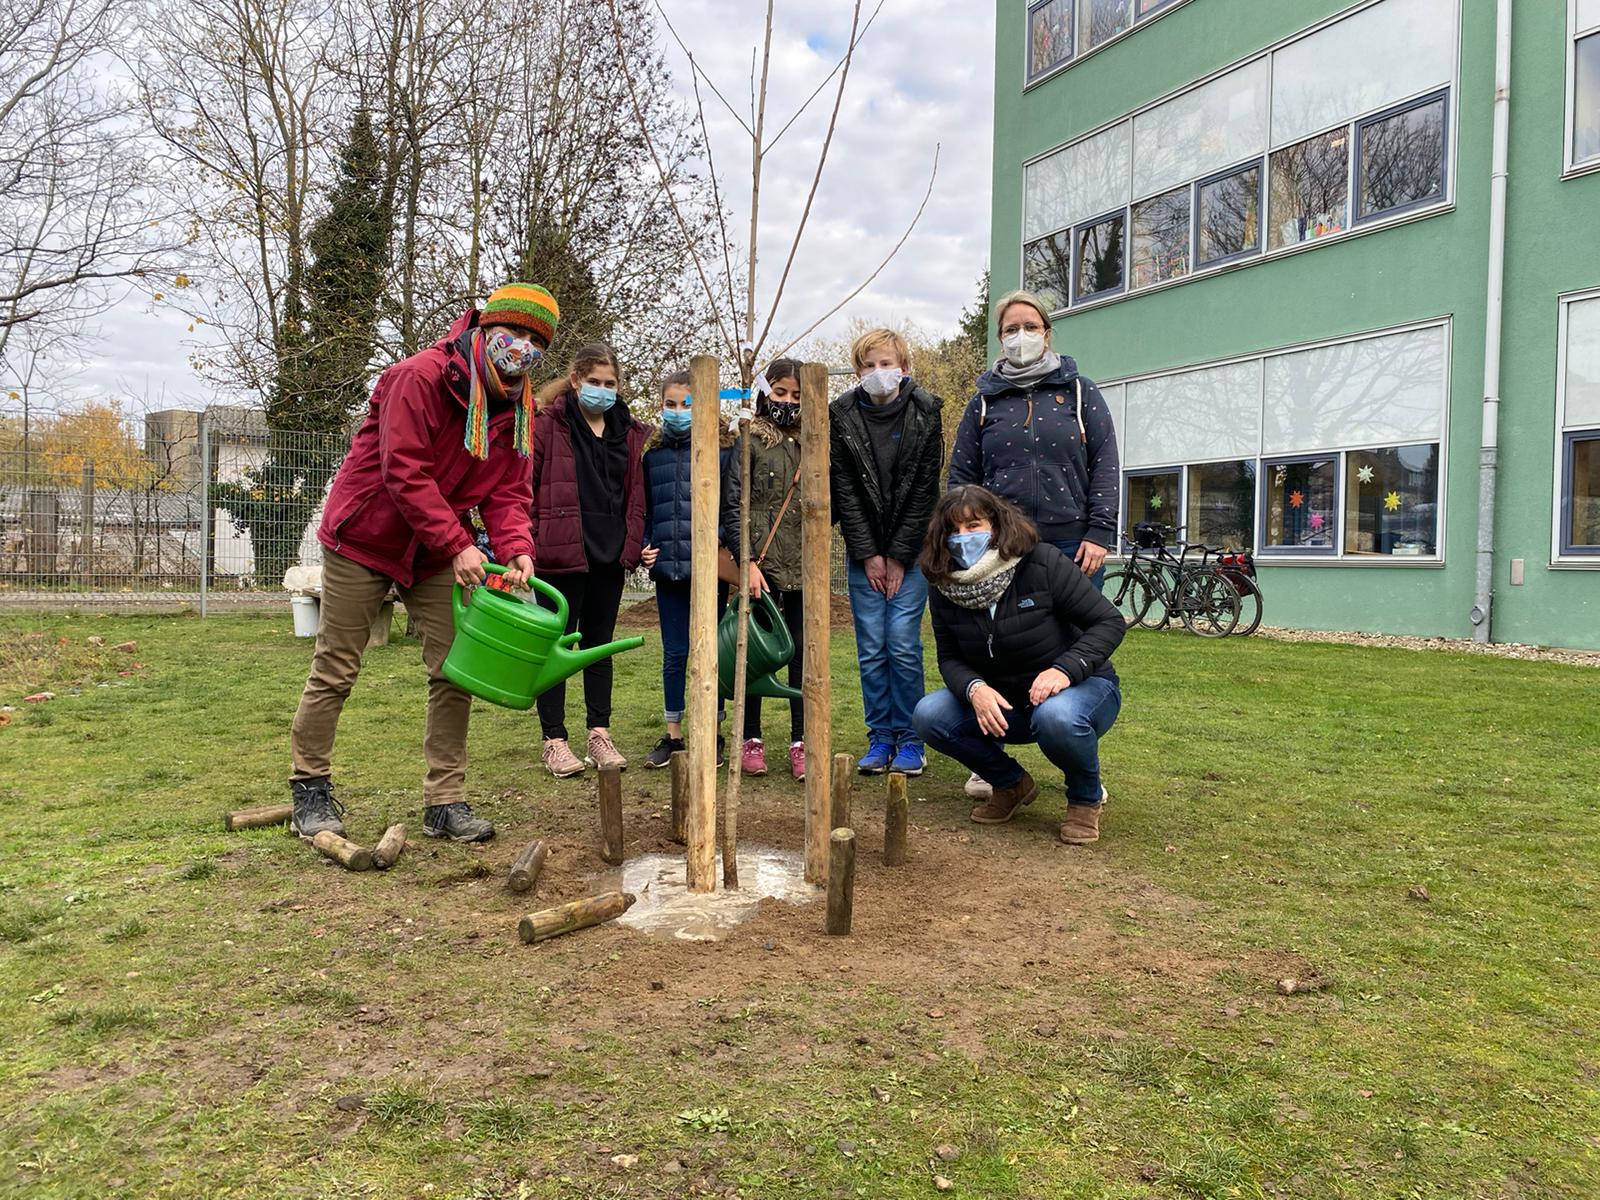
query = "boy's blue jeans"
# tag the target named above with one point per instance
(1068, 727)
(672, 611)
(889, 650)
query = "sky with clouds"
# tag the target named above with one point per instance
(923, 76)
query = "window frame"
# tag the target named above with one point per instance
(1561, 553)
(1438, 505)
(1348, 129)
(1123, 214)
(1570, 166)
(1335, 549)
(1362, 124)
(1255, 491)
(1123, 515)
(1258, 165)
(1074, 56)
(1189, 241)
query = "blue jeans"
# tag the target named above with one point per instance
(1068, 727)
(672, 611)
(889, 650)
(1070, 549)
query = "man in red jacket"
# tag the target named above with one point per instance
(447, 431)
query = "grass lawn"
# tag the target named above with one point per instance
(185, 1012)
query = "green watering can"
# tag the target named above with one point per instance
(771, 646)
(508, 650)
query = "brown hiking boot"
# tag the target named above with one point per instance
(1002, 805)
(559, 759)
(603, 751)
(1082, 826)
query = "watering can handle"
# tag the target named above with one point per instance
(534, 582)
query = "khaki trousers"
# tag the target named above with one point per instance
(351, 597)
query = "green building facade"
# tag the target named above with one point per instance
(1265, 229)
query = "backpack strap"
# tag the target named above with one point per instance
(778, 520)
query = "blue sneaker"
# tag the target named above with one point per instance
(875, 761)
(909, 759)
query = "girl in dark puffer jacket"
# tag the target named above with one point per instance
(1024, 642)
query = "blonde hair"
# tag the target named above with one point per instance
(872, 339)
(1020, 297)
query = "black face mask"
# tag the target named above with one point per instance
(785, 415)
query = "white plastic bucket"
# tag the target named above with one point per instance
(307, 615)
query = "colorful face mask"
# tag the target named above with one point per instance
(968, 548)
(882, 383)
(785, 413)
(512, 356)
(596, 399)
(676, 420)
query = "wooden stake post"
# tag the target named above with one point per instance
(816, 572)
(841, 881)
(346, 853)
(896, 818)
(580, 914)
(258, 818)
(705, 487)
(525, 870)
(610, 794)
(679, 769)
(387, 852)
(844, 768)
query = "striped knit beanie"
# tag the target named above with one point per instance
(525, 306)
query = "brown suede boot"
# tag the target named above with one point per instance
(1003, 804)
(1082, 826)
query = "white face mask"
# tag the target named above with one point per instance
(882, 383)
(1023, 349)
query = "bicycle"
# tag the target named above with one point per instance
(1204, 599)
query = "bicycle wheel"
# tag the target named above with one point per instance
(1208, 604)
(1249, 605)
(1131, 592)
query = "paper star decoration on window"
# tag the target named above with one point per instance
(1155, 500)
(1364, 474)
(1296, 499)
(1316, 520)
(1392, 501)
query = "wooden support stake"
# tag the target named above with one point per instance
(816, 571)
(841, 881)
(679, 766)
(705, 486)
(580, 914)
(895, 820)
(347, 854)
(258, 818)
(525, 871)
(387, 851)
(610, 794)
(741, 665)
(844, 769)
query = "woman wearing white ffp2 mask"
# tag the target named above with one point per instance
(1040, 435)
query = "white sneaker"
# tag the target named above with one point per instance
(978, 788)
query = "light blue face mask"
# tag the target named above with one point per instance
(968, 548)
(676, 420)
(596, 399)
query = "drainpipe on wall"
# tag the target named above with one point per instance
(1489, 452)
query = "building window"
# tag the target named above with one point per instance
(1310, 189)
(1101, 20)
(1146, 7)
(1586, 94)
(1301, 500)
(1160, 239)
(1099, 257)
(1153, 496)
(1228, 215)
(1047, 269)
(1401, 158)
(1392, 501)
(1580, 495)
(1049, 36)
(1222, 504)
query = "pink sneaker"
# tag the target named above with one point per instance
(797, 759)
(753, 759)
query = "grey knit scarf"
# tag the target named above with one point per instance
(981, 584)
(1026, 377)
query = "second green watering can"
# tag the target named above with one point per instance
(771, 646)
(508, 650)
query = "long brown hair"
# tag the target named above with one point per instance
(595, 354)
(1013, 534)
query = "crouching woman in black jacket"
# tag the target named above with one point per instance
(1024, 643)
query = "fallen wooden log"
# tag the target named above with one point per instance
(258, 818)
(389, 846)
(841, 881)
(579, 914)
(895, 820)
(346, 853)
(525, 870)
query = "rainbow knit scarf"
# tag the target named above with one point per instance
(486, 384)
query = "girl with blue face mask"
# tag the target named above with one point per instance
(588, 523)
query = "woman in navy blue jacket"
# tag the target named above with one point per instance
(668, 529)
(1040, 435)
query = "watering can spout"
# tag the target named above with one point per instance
(565, 661)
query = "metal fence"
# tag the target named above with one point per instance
(167, 510)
